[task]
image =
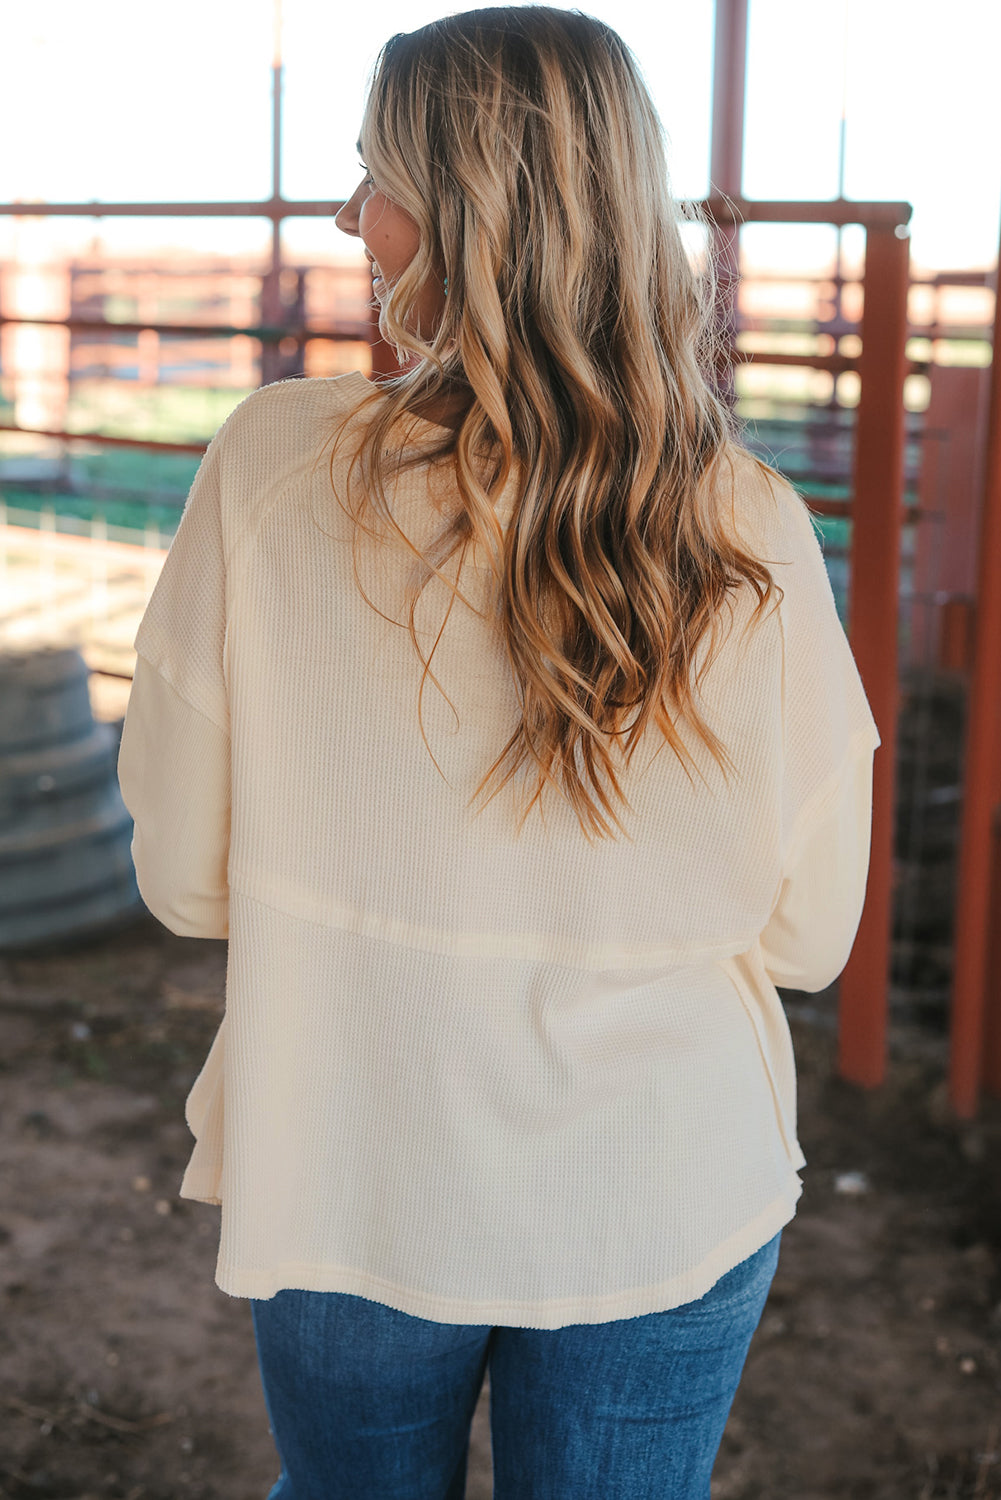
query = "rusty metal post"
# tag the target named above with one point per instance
(956, 616)
(981, 781)
(992, 997)
(873, 629)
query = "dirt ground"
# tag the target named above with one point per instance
(126, 1375)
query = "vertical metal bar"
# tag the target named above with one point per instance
(992, 1003)
(873, 630)
(271, 284)
(726, 159)
(299, 360)
(729, 70)
(276, 101)
(981, 780)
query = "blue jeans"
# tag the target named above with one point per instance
(367, 1403)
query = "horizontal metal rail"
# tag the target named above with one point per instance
(836, 211)
(268, 333)
(721, 210)
(101, 437)
(267, 208)
(352, 331)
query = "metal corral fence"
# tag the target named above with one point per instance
(854, 452)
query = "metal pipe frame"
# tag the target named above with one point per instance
(976, 992)
(346, 330)
(721, 210)
(275, 207)
(878, 515)
(726, 161)
(873, 629)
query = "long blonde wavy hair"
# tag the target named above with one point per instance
(575, 336)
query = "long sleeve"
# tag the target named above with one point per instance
(174, 762)
(829, 739)
(174, 772)
(810, 933)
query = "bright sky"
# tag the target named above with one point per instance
(112, 100)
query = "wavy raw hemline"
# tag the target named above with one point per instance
(554, 1313)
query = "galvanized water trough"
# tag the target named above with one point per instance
(65, 834)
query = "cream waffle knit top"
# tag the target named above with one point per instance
(476, 1074)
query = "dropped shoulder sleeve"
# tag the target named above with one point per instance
(829, 737)
(174, 762)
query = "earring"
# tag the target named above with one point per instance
(446, 286)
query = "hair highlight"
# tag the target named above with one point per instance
(579, 341)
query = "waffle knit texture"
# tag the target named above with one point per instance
(477, 1075)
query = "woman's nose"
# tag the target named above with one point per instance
(346, 217)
